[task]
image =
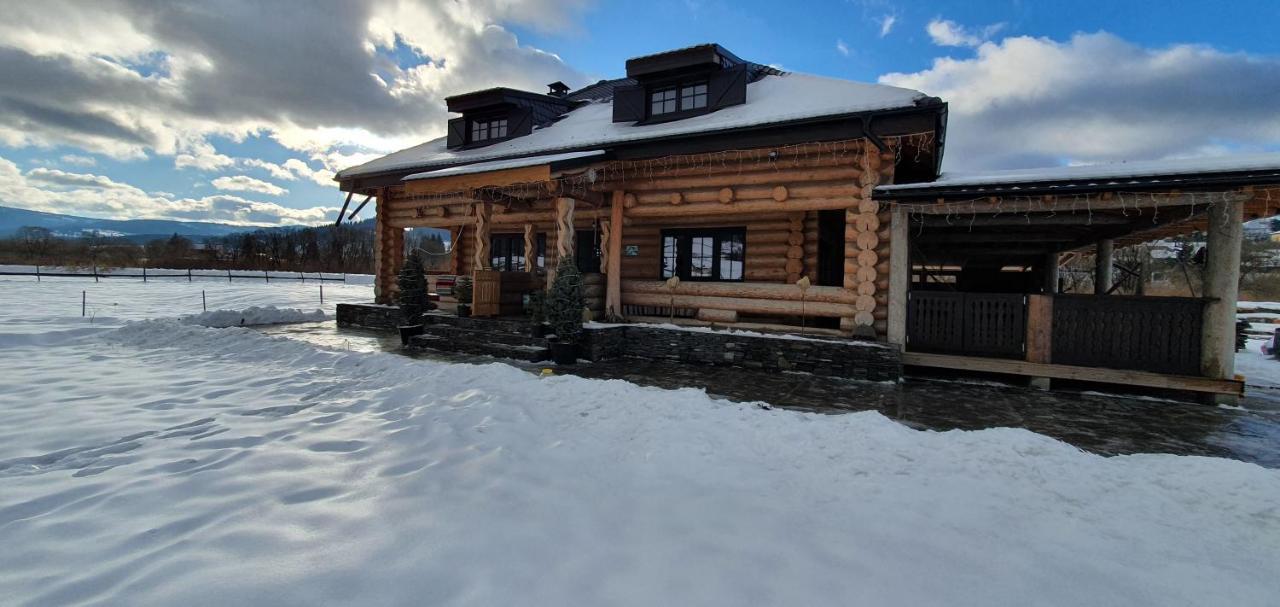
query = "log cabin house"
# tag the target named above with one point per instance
(741, 180)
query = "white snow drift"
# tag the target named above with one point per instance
(165, 463)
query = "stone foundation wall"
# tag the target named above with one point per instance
(830, 357)
(369, 316)
(604, 343)
(836, 358)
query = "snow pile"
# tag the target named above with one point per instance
(204, 467)
(269, 315)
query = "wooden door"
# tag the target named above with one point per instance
(486, 293)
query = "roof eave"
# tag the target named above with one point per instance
(927, 105)
(1183, 181)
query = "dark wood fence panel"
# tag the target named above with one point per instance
(995, 324)
(977, 324)
(934, 322)
(1158, 334)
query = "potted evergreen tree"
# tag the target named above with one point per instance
(462, 291)
(538, 313)
(564, 312)
(413, 298)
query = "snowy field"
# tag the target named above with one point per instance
(161, 462)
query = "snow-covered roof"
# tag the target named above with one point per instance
(498, 165)
(1119, 173)
(770, 100)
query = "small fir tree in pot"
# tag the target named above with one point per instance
(538, 313)
(564, 311)
(413, 298)
(462, 291)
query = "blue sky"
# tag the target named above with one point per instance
(241, 114)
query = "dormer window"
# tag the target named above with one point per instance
(673, 99)
(680, 84)
(487, 129)
(499, 114)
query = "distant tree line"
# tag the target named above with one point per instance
(338, 249)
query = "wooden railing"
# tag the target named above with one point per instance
(1158, 334)
(976, 324)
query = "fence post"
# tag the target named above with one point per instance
(302, 277)
(82, 304)
(95, 272)
(204, 304)
(37, 273)
(322, 292)
(266, 276)
(228, 274)
(188, 274)
(144, 273)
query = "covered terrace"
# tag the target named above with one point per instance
(979, 289)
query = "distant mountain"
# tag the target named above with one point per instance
(11, 219)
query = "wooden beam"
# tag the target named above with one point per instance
(613, 273)
(344, 208)
(1073, 204)
(1089, 374)
(967, 220)
(359, 207)
(458, 183)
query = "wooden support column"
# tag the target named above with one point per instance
(564, 233)
(1050, 285)
(899, 276)
(388, 252)
(795, 247)
(1102, 268)
(1222, 284)
(613, 269)
(1039, 337)
(482, 259)
(455, 249)
(530, 249)
(860, 243)
(1144, 269)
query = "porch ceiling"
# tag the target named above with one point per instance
(1020, 231)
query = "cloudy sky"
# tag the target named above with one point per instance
(240, 111)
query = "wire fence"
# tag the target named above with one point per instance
(85, 310)
(188, 275)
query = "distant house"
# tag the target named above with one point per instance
(741, 179)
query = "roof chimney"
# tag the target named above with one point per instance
(558, 89)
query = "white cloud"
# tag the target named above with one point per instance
(56, 191)
(886, 24)
(244, 183)
(1097, 98)
(78, 160)
(276, 171)
(842, 48)
(945, 32)
(129, 79)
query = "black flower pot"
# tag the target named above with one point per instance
(409, 331)
(564, 353)
(464, 310)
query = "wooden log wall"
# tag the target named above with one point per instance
(775, 199)
(777, 202)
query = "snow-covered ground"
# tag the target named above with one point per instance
(166, 463)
